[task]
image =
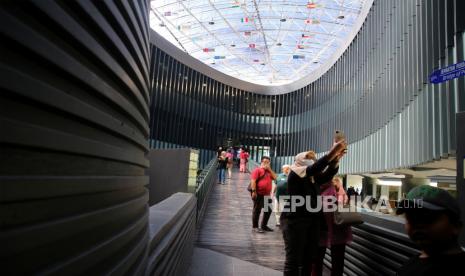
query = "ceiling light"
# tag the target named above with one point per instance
(278, 44)
(389, 183)
(340, 17)
(211, 23)
(283, 20)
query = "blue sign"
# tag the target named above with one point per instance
(450, 72)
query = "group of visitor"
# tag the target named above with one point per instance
(434, 225)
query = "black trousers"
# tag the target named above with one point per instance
(337, 260)
(301, 236)
(258, 205)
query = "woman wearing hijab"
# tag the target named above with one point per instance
(243, 156)
(301, 227)
(230, 162)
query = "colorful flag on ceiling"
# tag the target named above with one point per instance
(305, 36)
(256, 60)
(246, 19)
(312, 21)
(247, 33)
(311, 5)
(208, 50)
(300, 46)
(251, 45)
(167, 13)
(219, 57)
(238, 4)
(184, 27)
(298, 56)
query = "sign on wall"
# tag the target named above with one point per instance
(448, 73)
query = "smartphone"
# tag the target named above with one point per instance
(338, 136)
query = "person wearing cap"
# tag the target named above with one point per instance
(433, 223)
(301, 229)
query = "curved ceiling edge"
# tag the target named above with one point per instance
(199, 66)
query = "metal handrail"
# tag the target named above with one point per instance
(205, 182)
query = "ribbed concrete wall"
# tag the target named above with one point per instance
(74, 92)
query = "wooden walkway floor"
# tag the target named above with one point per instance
(227, 226)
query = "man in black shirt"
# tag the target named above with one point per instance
(433, 223)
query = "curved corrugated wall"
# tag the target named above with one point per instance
(74, 92)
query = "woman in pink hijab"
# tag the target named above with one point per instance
(335, 237)
(244, 156)
(230, 163)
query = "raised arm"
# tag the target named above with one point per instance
(335, 153)
(328, 174)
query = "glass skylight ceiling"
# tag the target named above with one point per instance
(264, 42)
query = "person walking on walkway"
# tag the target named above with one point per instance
(222, 161)
(280, 189)
(301, 228)
(335, 236)
(230, 162)
(260, 183)
(433, 222)
(244, 156)
(219, 151)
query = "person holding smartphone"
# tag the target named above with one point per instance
(301, 228)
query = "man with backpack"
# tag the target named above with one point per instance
(261, 183)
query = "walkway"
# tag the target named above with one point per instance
(226, 233)
(207, 262)
(227, 226)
